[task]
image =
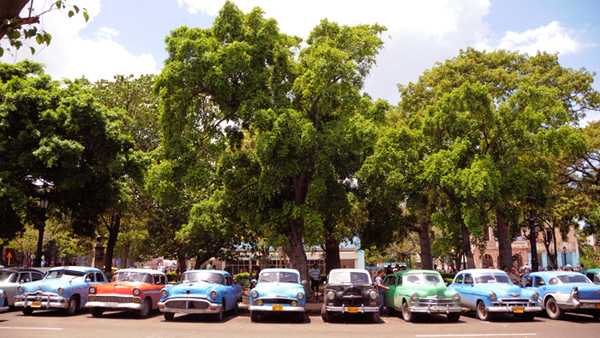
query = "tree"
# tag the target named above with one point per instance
(493, 123)
(58, 133)
(15, 28)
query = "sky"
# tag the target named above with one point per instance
(127, 36)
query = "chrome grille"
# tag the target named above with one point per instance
(277, 300)
(514, 302)
(114, 299)
(434, 301)
(187, 304)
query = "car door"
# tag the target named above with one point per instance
(457, 284)
(390, 282)
(468, 296)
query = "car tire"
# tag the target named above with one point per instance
(96, 311)
(527, 317)
(169, 315)
(27, 311)
(453, 317)
(236, 308)
(73, 305)
(553, 310)
(406, 314)
(325, 315)
(596, 315)
(145, 311)
(217, 317)
(375, 317)
(300, 317)
(482, 311)
(254, 316)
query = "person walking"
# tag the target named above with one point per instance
(315, 278)
(381, 290)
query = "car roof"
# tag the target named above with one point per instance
(348, 270)
(404, 272)
(280, 270)
(222, 272)
(76, 268)
(549, 274)
(479, 272)
(21, 270)
(594, 270)
(150, 271)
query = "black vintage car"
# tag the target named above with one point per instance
(350, 291)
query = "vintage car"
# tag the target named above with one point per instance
(350, 291)
(278, 291)
(131, 289)
(592, 274)
(201, 291)
(420, 291)
(564, 291)
(489, 292)
(64, 287)
(10, 279)
(3, 303)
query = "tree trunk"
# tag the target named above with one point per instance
(425, 241)
(332, 255)
(10, 10)
(113, 234)
(181, 263)
(504, 243)
(297, 255)
(466, 241)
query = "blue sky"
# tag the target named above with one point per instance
(127, 36)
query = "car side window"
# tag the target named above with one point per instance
(90, 277)
(468, 279)
(163, 280)
(25, 277)
(99, 277)
(389, 280)
(553, 281)
(527, 281)
(36, 276)
(539, 282)
(459, 279)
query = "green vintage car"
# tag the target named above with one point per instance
(413, 292)
(592, 274)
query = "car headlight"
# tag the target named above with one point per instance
(535, 296)
(414, 296)
(214, 294)
(300, 295)
(61, 291)
(136, 292)
(20, 289)
(164, 293)
(330, 295)
(373, 294)
(254, 293)
(92, 290)
(492, 296)
(456, 296)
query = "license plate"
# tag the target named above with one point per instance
(110, 304)
(36, 304)
(352, 310)
(277, 307)
(518, 310)
(597, 306)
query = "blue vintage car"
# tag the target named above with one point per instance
(562, 291)
(488, 292)
(3, 303)
(63, 287)
(278, 291)
(201, 291)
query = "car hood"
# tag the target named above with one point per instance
(502, 289)
(350, 288)
(118, 288)
(427, 290)
(51, 285)
(199, 289)
(278, 289)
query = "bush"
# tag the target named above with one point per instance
(242, 279)
(171, 276)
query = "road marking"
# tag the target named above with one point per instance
(478, 335)
(31, 328)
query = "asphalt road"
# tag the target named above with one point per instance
(49, 324)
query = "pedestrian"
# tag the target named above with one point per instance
(381, 290)
(514, 276)
(209, 266)
(315, 278)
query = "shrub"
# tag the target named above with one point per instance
(242, 279)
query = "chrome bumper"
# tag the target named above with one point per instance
(511, 309)
(346, 309)
(210, 306)
(435, 309)
(41, 301)
(269, 308)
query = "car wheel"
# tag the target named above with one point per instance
(325, 315)
(27, 311)
(406, 314)
(596, 315)
(235, 309)
(453, 317)
(254, 316)
(300, 317)
(219, 315)
(96, 311)
(527, 316)
(482, 312)
(145, 311)
(73, 305)
(553, 310)
(375, 317)
(169, 315)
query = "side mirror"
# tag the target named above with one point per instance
(304, 282)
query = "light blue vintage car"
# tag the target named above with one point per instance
(201, 291)
(64, 287)
(3, 303)
(278, 291)
(489, 291)
(562, 291)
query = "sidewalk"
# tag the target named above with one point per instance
(311, 308)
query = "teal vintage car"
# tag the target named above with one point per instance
(278, 291)
(592, 274)
(414, 292)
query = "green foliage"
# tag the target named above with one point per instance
(242, 279)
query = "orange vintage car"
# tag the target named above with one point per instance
(131, 289)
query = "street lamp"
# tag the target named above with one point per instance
(43, 206)
(532, 233)
(409, 254)
(565, 255)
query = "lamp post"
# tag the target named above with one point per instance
(565, 255)
(409, 254)
(533, 225)
(43, 206)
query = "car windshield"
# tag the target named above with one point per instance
(348, 277)
(422, 278)
(66, 274)
(574, 278)
(8, 276)
(125, 276)
(202, 276)
(278, 277)
(492, 278)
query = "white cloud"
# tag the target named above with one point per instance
(72, 56)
